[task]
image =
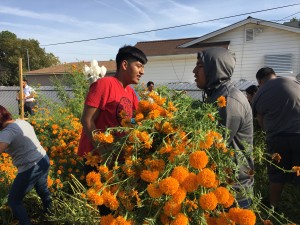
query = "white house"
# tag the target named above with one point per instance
(256, 43)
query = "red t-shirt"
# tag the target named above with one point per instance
(110, 97)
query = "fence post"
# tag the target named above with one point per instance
(21, 93)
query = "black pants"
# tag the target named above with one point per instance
(28, 108)
(287, 146)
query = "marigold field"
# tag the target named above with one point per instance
(168, 165)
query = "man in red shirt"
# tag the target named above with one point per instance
(108, 96)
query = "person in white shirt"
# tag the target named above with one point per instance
(29, 100)
(150, 90)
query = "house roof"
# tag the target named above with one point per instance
(249, 20)
(171, 47)
(67, 68)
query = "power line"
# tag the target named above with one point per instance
(172, 27)
(287, 17)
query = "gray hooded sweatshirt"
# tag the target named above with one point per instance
(237, 117)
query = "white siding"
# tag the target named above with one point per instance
(177, 68)
(250, 55)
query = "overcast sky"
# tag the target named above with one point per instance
(56, 21)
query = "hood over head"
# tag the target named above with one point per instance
(218, 64)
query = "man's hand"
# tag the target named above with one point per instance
(88, 118)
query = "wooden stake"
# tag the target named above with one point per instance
(21, 94)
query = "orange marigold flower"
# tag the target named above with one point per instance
(247, 217)
(180, 173)
(103, 137)
(169, 185)
(221, 101)
(206, 178)
(143, 136)
(93, 196)
(107, 220)
(167, 128)
(120, 220)
(234, 214)
(164, 219)
(144, 107)
(139, 117)
(49, 181)
(110, 200)
(166, 149)
(155, 164)
(171, 208)
(211, 117)
(211, 220)
(154, 114)
(92, 160)
(296, 169)
(229, 201)
(154, 191)
(55, 127)
(198, 159)
(207, 143)
(191, 205)
(190, 183)
(103, 169)
(276, 157)
(180, 219)
(92, 178)
(221, 146)
(224, 219)
(222, 195)
(208, 201)
(149, 176)
(171, 107)
(179, 195)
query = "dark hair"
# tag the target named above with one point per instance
(264, 73)
(25, 80)
(4, 116)
(252, 89)
(130, 54)
(149, 83)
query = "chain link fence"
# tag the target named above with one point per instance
(8, 94)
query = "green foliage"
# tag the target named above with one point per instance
(13, 48)
(71, 208)
(78, 84)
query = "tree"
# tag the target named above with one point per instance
(294, 19)
(12, 48)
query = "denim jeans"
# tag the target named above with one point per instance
(245, 204)
(35, 177)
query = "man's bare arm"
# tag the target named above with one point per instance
(88, 118)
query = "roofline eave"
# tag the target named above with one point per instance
(238, 24)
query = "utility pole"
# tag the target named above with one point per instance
(27, 59)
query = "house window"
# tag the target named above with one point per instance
(249, 35)
(281, 64)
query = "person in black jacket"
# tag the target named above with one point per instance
(276, 107)
(213, 71)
